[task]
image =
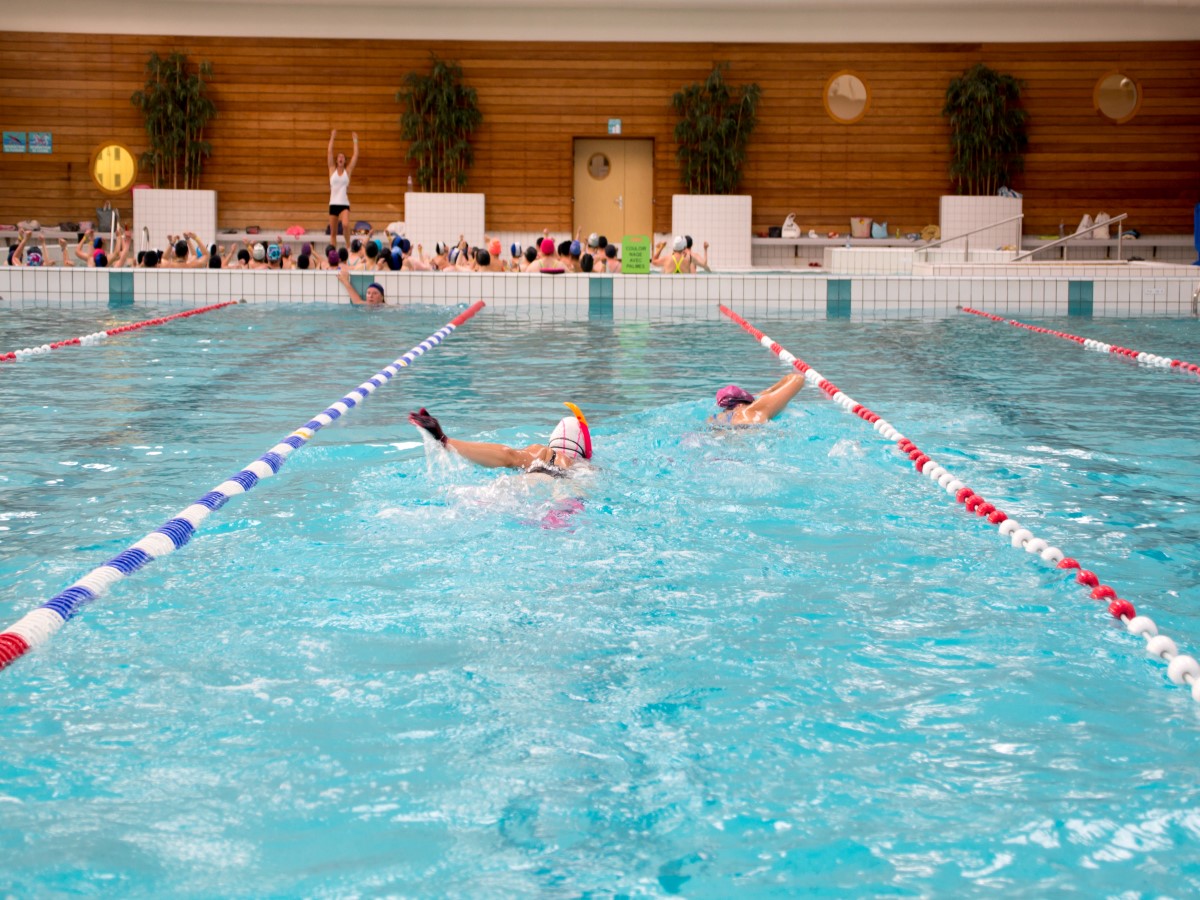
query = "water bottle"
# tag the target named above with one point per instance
(410, 184)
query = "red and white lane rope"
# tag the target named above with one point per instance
(1148, 359)
(38, 625)
(88, 340)
(1181, 669)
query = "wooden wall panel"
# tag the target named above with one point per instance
(278, 100)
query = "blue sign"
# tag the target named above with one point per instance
(41, 142)
(614, 126)
(14, 142)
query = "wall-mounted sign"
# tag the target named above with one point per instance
(635, 254)
(41, 142)
(614, 126)
(14, 142)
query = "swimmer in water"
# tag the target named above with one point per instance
(740, 407)
(569, 442)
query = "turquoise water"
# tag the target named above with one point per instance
(766, 664)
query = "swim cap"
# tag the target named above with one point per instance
(439, 249)
(274, 253)
(517, 251)
(405, 245)
(571, 435)
(377, 286)
(453, 257)
(34, 257)
(259, 252)
(494, 248)
(97, 243)
(680, 243)
(731, 395)
(576, 249)
(332, 256)
(547, 246)
(593, 240)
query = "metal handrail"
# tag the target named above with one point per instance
(1086, 233)
(969, 233)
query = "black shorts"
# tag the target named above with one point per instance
(337, 210)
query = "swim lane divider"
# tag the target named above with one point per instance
(96, 337)
(1181, 669)
(36, 627)
(1149, 359)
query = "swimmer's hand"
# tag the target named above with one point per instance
(423, 420)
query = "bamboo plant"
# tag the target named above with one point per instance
(713, 132)
(987, 130)
(440, 114)
(176, 108)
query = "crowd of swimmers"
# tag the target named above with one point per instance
(362, 253)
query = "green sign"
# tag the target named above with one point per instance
(635, 254)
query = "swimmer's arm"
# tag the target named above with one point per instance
(702, 261)
(494, 456)
(344, 277)
(774, 399)
(329, 152)
(353, 159)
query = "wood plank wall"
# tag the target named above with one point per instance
(278, 100)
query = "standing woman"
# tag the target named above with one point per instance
(339, 188)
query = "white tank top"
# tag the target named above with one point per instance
(339, 187)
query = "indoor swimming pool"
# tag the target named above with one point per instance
(773, 661)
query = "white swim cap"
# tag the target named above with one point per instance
(680, 243)
(571, 436)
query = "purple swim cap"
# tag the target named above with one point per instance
(731, 395)
(333, 257)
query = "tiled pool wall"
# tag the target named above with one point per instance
(1096, 290)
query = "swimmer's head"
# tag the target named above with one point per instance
(547, 247)
(571, 436)
(732, 396)
(374, 292)
(680, 243)
(517, 251)
(259, 252)
(494, 248)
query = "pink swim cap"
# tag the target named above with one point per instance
(547, 246)
(731, 395)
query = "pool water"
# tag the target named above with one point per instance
(763, 663)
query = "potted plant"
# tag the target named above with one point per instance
(713, 132)
(987, 130)
(176, 108)
(987, 140)
(440, 113)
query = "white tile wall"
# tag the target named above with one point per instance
(868, 261)
(1034, 291)
(167, 212)
(723, 221)
(431, 217)
(959, 215)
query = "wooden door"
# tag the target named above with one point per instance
(614, 187)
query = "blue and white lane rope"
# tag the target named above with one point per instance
(1182, 669)
(36, 627)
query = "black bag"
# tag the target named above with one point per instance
(106, 217)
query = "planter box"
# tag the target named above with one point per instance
(432, 217)
(960, 214)
(723, 221)
(167, 212)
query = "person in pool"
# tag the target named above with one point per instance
(740, 407)
(569, 442)
(374, 290)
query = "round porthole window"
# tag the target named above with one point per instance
(598, 166)
(114, 168)
(846, 97)
(1117, 97)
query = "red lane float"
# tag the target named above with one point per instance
(96, 337)
(1181, 669)
(1149, 359)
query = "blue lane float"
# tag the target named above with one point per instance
(39, 625)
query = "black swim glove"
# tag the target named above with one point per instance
(423, 420)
